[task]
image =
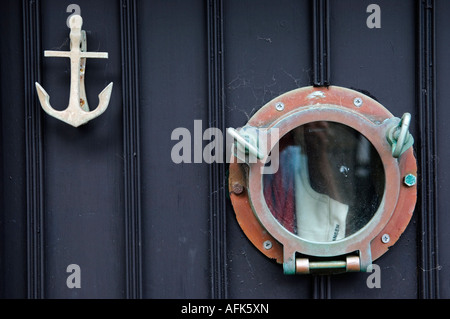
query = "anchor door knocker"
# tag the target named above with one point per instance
(77, 112)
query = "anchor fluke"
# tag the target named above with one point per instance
(74, 114)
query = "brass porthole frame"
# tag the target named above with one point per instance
(368, 117)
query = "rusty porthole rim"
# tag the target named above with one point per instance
(360, 240)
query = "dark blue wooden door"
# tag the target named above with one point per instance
(108, 197)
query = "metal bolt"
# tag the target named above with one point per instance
(385, 238)
(237, 188)
(357, 101)
(410, 180)
(279, 106)
(267, 244)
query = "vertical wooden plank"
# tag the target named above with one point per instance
(427, 153)
(33, 141)
(379, 62)
(442, 25)
(217, 178)
(132, 186)
(175, 196)
(13, 213)
(84, 166)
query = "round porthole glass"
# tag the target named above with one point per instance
(329, 184)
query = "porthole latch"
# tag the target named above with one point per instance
(246, 143)
(399, 137)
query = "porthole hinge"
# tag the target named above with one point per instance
(307, 266)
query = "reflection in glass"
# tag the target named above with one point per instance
(329, 184)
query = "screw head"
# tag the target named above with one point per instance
(267, 244)
(279, 106)
(410, 180)
(385, 238)
(238, 188)
(357, 101)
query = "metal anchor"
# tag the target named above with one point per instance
(77, 112)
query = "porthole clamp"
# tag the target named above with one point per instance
(246, 143)
(390, 139)
(399, 137)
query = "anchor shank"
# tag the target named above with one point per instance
(74, 99)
